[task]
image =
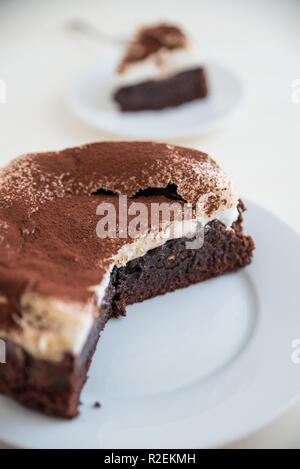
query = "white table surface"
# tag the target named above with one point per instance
(260, 148)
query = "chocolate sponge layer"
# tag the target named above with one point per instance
(153, 95)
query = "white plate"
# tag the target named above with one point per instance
(89, 98)
(199, 367)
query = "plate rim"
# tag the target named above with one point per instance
(205, 128)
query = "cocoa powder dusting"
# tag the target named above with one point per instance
(48, 203)
(150, 40)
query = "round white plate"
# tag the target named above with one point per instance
(89, 98)
(200, 367)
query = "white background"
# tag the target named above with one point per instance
(260, 148)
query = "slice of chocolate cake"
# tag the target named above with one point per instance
(85, 232)
(160, 69)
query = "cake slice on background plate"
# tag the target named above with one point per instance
(160, 69)
(65, 268)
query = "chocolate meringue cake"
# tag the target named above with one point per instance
(60, 282)
(160, 69)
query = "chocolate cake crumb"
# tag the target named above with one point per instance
(160, 94)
